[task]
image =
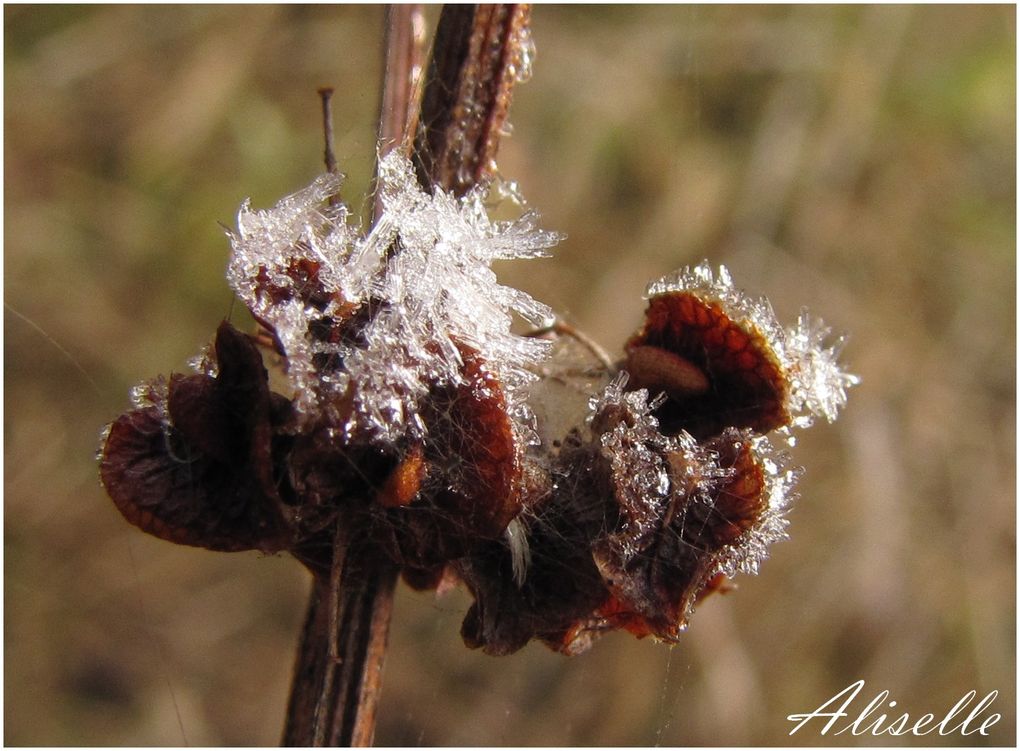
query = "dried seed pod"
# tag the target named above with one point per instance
(685, 512)
(195, 463)
(708, 528)
(756, 374)
(744, 383)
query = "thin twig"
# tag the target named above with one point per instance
(326, 94)
(308, 669)
(326, 705)
(562, 328)
(402, 67)
(367, 664)
(405, 45)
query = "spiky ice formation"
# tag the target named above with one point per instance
(370, 323)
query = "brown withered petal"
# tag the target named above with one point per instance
(746, 384)
(656, 580)
(471, 439)
(561, 589)
(468, 487)
(201, 473)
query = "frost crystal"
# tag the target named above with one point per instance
(370, 323)
(817, 383)
(151, 393)
(819, 386)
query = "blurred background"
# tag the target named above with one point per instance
(857, 160)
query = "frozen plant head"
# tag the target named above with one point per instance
(640, 526)
(409, 417)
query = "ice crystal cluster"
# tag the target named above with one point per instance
(408, 423)
(424, 271)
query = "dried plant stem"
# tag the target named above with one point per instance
(360, 604)
(478, 56)
(326, 94)
(337, 677)
(402, 67)
(361, 595)
(405, 45)
(338, 671)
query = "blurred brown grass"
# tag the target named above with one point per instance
(857, 160)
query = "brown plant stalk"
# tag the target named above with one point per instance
(453, 134)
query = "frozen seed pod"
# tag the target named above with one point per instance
(723, 360)
(410, 431)
(639, 527)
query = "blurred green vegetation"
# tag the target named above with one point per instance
(858, 160)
